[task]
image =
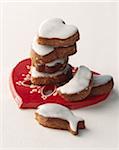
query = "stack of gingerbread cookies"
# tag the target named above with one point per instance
(51, 48)
(55, 42)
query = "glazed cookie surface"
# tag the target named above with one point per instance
(59, 117)
(79, 87)
(54, 32)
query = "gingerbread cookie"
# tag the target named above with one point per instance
(52, 67)
(57, 78)
(45, 54)
(58, 117)
(102, 84)
(79, 87)
(54, 32)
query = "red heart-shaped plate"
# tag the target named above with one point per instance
(30, 96)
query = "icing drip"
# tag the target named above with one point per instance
(101, 80)
(41, 49)
(79, 82)
(36, 74)
(60, 112)
(55, 28)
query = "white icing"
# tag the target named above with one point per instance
(78, 83)
(58, 111)
(53, 63)
(55, 28)
(101, 80)
(36, 74)
(41, 49)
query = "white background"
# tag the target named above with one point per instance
(98, 49)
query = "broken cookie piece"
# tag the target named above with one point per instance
(102, 84)
(79, 87)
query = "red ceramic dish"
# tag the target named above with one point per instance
(29, 96)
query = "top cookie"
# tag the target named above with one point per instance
(54, 32)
